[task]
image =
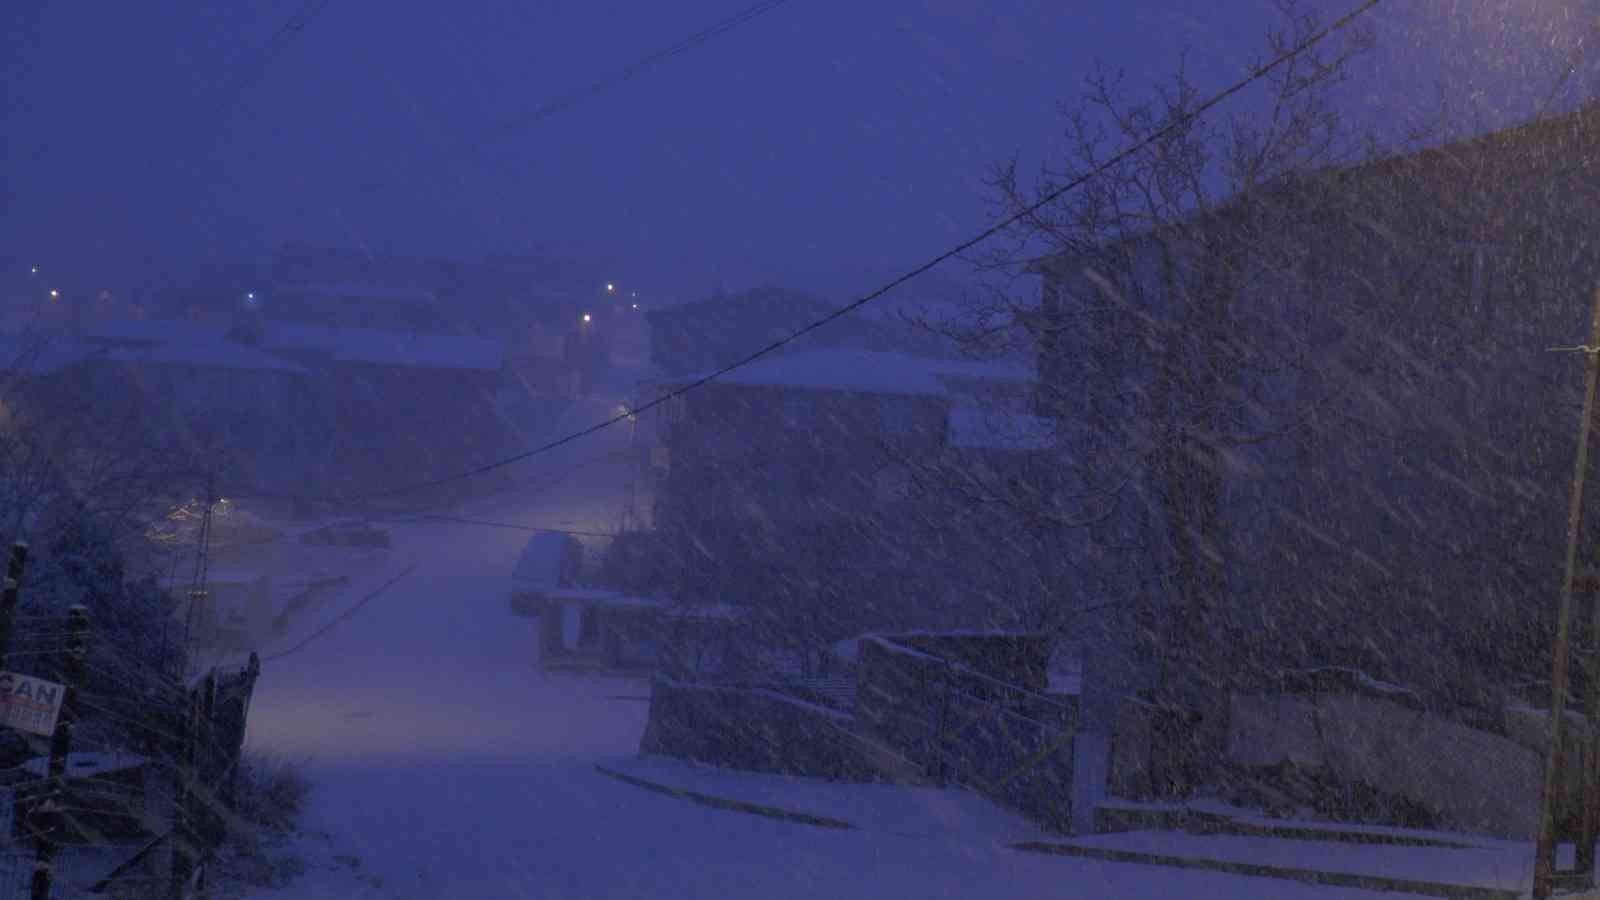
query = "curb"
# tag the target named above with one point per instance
(1257, 870)
(754, 809)
(1115, 820)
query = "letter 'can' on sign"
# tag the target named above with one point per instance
(29, 704)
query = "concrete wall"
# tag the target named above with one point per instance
(755, 730)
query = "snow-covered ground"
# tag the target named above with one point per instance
(447, 765)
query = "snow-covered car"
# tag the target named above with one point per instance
(549, 561)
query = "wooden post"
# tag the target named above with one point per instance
(236, 736)
(47, 812)
(8, 597)
(204, 798)
(1545, 847)
(183, 838)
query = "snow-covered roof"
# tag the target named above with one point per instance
(211, 355)
(42, 356)
(979, 428)
(153, 331)
(388, 348)
(356, 290)
(867, 371)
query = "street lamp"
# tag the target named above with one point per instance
(587, 318)
(610, 288)
(54, 294)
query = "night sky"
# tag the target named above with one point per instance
(143, 139)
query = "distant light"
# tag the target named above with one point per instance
(610, 287)
(586, 317)
(636, 306)
(250, 296)
(54, 293)
(33, 270)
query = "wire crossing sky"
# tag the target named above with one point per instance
(1255, 74)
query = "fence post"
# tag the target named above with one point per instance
(8, 597)
(47, 812)
(236, 734)
(183, 845)
(206, 772)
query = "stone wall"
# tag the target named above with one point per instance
(756, 730)
(1472, 779)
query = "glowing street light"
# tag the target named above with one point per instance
(54, 294)
(33, 270)
(587, 318)
(610, 288)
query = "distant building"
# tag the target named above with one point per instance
(298, 408)
(787, 461)
(723, 329)
(820, 422)
(356, 305)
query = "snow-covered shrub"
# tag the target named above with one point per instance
(272, 791)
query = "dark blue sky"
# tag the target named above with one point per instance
(822, 134)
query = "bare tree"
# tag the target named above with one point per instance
(72, 448)
(1172, 351)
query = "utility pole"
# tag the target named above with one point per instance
(9, 595)
(1545, 875)
(202, 560)
(47, 817)
(184, 843)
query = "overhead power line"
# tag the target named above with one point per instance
(343, 616)
(1255, 74)
(274, 47)
(606, 82)
(462, 520)
(1568, 69)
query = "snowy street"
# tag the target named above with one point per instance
(450, 766)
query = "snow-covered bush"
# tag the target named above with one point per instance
(272, 791)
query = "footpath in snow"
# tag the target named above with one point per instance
(1375, 859)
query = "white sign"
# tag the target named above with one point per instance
(29, 704)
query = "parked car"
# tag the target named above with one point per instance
(549, 561)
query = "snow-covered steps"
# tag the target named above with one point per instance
(1498, 871)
